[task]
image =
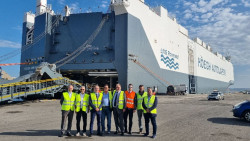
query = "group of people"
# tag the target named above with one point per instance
(102, 103)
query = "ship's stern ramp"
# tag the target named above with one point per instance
(44, 81)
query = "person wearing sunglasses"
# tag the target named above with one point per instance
(82, 106)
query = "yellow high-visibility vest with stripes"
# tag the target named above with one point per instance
(121, 99)
(95, 101)
(68, 103)
(85, 102)
(149, 104)
(140, 99)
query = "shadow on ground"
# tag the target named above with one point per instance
(56, 133)
(229, 121)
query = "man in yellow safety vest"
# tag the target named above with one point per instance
(68, 107)
(150, 112)
(95, 102)
(139, 96)
(119, 106)
(82, 106)
(106, 108)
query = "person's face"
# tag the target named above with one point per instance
(118, 87)
(82, 89)
(130, 87)
(141, 88)
(96, 89)
(150, 92)
(70, 88)
(106, 88)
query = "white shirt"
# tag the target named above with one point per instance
(97, 95)
(82, 96)
(70, 94)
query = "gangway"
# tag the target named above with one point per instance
(45, 81)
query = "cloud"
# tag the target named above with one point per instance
(188, 16)
(246, 3)
(61, 2)
(104, 4)
(19, 28)
(204, 6)
(220, 25)
(10, 44)
(234, 5)
(74, 7)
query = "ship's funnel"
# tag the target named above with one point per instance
(41, 6)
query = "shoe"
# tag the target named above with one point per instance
(100, 134)
(122, 134)
(77, 134)
(116, 132)
(90, 135)
(146, 134)
(153, 137)
(130, 133)
(108, 132)
(61, 134)
(69, 134)
(140, 131)
(84, 134)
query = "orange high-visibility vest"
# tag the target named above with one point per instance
(130, 99)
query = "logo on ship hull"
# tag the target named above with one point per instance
(169, 59)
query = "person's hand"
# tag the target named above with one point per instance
(148, 111)
(134, 111)
(124, 110)
(97, 109)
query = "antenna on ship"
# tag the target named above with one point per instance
(228, 56)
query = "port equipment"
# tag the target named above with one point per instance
(45, 81)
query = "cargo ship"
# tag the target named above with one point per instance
(110, 46)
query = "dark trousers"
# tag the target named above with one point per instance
(152, 117)
(129, 112)
(118, 117)
(106, 112)
(140, 113)
(79, 115)
(67, 115)
(94, 113)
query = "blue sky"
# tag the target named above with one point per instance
(224, 24)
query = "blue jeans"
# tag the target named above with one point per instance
(92, 115)
(106, 112)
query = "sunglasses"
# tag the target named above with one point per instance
(82, 89)
(130, 87)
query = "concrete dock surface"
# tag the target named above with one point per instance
(180, 118)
